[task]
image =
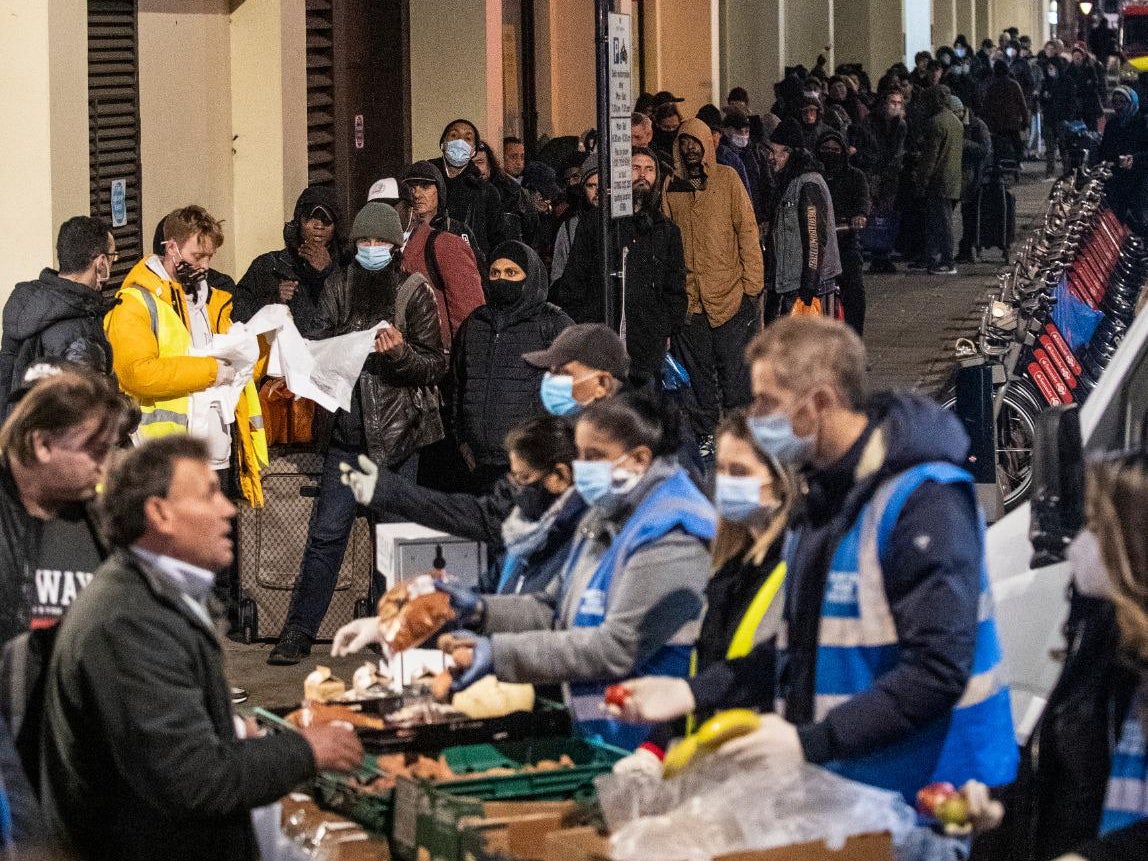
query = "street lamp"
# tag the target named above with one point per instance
(1085, 8)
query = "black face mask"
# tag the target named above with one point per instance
(188, 276)
(502, 293)
(533, 500)
(834, 162)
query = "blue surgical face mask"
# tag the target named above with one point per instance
(602, 483)
(739, 141)
(373, 257)
(557, 394)
(774, 436)
(457, 152)
(738, 498)
(960, 52)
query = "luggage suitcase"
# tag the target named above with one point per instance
(270, 545)
(996, 216)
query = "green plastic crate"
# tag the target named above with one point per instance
(427, 814)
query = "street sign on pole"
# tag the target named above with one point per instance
(621, 172)
(119, 195)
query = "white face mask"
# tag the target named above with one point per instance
(1088, 571)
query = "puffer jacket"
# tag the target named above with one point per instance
(475, 202)
(52, 318)
(719, 233)
(397, 395)
(494, 388)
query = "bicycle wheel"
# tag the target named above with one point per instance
(1015, 432)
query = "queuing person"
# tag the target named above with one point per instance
(1125, 144)
(651, 306)
(735, 131)
(920, 78)
(1057, 98)
(754, 497)
(578, 201)
(424, 186)
(550, 202)
(313, 242)
(631, 597)
(394, 407)
(166, 308)
(976, 157)
(536, 534)
(805, 262)
(469, 198)
(1004, 108)
(577, 288)
(519, 218)
(849, 193)
(667, 120)
(641, 129)
(937, 178)
(513, 157)
(881, 142)
(922, 701)
(446, 260)
(60, 314)
(723, 152)
(724, 276)
(1088, 87)
(808, 123)
(494, 389)
(142, 758)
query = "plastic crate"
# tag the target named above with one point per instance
(374, 811)
(428, 813)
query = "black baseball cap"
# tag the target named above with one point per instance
(595, 345)
(665, 97)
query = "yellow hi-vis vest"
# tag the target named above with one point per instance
(166, 416)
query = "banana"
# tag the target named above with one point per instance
(679, 756)
(725, 726)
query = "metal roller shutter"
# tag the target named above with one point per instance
(114, 127)
(320, 93)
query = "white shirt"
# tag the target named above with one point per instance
(193, 582)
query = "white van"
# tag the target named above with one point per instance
(1031, 603)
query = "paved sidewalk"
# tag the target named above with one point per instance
(913, 319)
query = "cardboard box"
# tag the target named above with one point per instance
(355, 845)
(576, 844)
(864, 847)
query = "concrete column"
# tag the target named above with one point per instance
(43, 64)
(984, 22)
(564, 67)
(944, 22)
(966, 20)
(680, 49)
(809, 31)
(752, 49)
(185, 129)
(268, 120)
(455, 70)
(869, 32)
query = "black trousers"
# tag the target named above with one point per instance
(851, 281)
(715, 360)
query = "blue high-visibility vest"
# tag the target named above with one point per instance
(858, 643)
(1126, 800)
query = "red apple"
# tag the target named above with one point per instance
(929, 798)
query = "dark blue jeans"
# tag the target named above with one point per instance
(939, 230)
(327, 537)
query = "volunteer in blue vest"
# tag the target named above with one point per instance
(629, 600)
(892, 673)
(754, 497)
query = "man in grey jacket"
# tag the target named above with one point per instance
(143, 757)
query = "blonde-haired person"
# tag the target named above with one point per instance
(734, 656)
(1094, 763)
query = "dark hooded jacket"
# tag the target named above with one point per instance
(939, 170)
(494, 389)
(849, 190)
(1128, 190)
(932, 581)
(260, 284)
(52, 318)
(655, 284)
(472, 200)
(395, 406)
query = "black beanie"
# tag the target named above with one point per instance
(512, 250)
(788, 134)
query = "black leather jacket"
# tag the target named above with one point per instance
(398, 395)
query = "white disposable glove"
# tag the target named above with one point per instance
(985, 814)
(774, 746)
(224, 373)
(641, 761)
(654, 699)
(362, 481)
(356, 636)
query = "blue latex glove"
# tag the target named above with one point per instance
(482, 664)
(466, 605)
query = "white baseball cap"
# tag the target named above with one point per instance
(385, 189)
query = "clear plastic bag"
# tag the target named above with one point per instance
(691, 818)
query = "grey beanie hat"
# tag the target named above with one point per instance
(589, 166)
(378, 220)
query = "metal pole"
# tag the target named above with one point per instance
(602, 55)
